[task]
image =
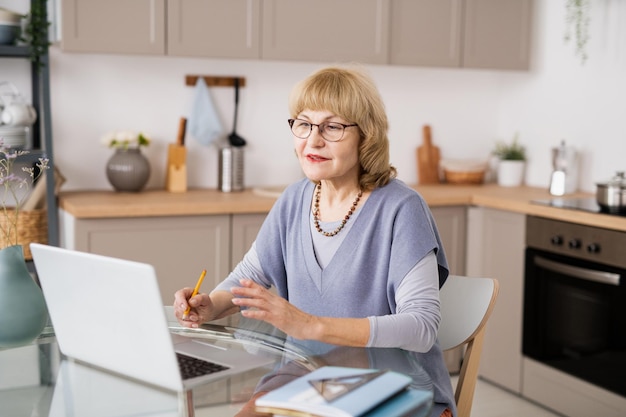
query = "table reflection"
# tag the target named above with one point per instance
(55, 386)
(301, 357)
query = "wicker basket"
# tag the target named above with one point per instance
(454, 177)
(32, 227)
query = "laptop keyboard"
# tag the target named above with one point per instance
(192, 367)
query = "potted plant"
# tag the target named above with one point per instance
(126, 140)
(36, 32)
(577, 26)
(511, 163)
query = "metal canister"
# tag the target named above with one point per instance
(230, 176)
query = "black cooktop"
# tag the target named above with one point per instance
(583, 204)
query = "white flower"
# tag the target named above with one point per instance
(10, 200)
(125, 139)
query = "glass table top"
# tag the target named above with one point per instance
(36, 380)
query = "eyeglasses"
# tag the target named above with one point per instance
(330, 131)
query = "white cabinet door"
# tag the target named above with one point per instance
(113, 26)
(326, 30)
(214, 28)
(495, 249)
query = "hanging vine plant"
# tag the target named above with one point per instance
(577, 26)
(36, 31)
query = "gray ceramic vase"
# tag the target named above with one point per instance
(128, 170)
(23, 313)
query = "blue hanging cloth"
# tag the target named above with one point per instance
(204, 122)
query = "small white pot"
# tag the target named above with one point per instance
(511, 173)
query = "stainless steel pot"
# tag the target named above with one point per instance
(611, 195)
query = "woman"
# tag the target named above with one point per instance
(353, 253)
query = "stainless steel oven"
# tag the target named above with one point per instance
(574, 311)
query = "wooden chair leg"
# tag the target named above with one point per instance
(464, 394)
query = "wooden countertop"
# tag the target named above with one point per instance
(151, 203)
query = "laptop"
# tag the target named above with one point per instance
(108, 312)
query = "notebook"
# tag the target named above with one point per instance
(335, 391)
(107, 312)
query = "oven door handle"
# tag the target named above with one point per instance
(575, 271)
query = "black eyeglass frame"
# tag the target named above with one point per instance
(292, 121)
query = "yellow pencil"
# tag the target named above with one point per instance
(194, 293)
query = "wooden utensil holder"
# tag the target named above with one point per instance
(176, 175)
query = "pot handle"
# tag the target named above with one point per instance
(618, 180)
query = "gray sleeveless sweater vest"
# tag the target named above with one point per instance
(394, 231)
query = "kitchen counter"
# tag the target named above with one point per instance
(153, 203)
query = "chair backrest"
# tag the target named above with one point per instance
(466, 304)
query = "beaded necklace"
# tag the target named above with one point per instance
(316, 212)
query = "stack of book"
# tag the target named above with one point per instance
(333, 391)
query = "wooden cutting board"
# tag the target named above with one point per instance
(428, 157)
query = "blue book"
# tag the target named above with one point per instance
(333, 391)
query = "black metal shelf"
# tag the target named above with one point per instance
(32, 156)
(42, 129)
(7, 51)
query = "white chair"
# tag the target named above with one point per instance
(466, 304)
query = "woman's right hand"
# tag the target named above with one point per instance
(201, 308)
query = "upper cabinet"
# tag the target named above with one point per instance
(214, 28)
(113, 26)
(326, 30)
(426, 32)
(497, 34)
(491, 34)
(203, 28)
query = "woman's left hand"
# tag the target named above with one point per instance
(264, 305)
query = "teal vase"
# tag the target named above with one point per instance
(23, 313)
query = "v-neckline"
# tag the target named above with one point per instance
(316, 272)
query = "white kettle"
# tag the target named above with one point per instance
(15, 111)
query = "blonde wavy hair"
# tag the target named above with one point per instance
(351, 95)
